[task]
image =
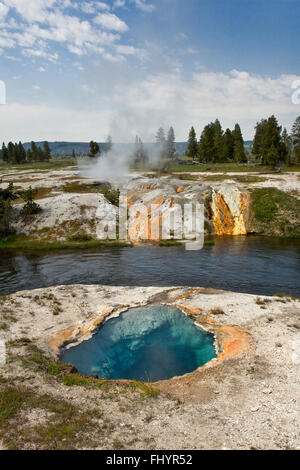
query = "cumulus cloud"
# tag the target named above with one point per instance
(140, 107)
(3, 11)
(42, 24)
(144, 5)
(111, 21)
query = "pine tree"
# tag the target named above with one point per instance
(287, 141)
(239, 148)
(7, 195)
(73, 154)
(206, 144)
(161, 143)
(21, 153)
(34, 152)
(228, 146)
(170, 144)
(257, 143)
(296, 140)
(160, 136)
(4, 153)
(272, 156)
(192, 149)
(271, 140)
(218, 141)
(94, 149)
(10, 151)
(30, 207)
(47, 152)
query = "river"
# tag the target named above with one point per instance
(254, 265)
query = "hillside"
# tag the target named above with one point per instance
(82, 148)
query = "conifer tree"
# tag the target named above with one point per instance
(296, 140)
(257, 143)
(217, 141)
(47, 152)
(10, 152)
(272, 145)
(228, 146)
(206, 144)
(287, 146)
(4, 153)
(161, 143)
(192, 150)
(34, 152)
(239, 149)
(170, 144)
(21, 153)
(94, 149)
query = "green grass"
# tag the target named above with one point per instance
(54, 164)
(36, 360)
(246, 179)
(166, 243)
(216, 167)
(275, 212)
(112, 195)
(68, 427)
(209, 242)
(71, 244)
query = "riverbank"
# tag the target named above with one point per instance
(72, 205)
(246, 399)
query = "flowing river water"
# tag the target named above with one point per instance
(255, 265)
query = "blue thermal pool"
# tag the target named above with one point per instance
(146, 343)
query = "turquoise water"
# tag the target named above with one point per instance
(146, 343)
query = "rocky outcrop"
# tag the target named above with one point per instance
(226, 207)
(230, 208)
(150, 201)
(68, 214)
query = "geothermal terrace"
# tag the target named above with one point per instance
(246, 397)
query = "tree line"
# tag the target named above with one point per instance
(16, 153)
(272, 145)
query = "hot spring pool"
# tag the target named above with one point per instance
(146, 343)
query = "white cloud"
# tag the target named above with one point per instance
(113, 58)
(140, 4)
(41, 123)
(111, 22)
(119, 3)
(39, 23)
(41, 69)
(78, 66)
(36, 87)
(140, 107)
(3, 11)
(40, 54)
(144, 5)
(7, 43)
(91, 7)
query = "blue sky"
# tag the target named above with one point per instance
(80, 70)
